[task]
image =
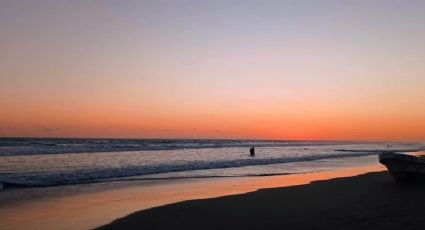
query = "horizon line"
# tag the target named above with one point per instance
(243, 139)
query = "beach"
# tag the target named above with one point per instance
(105, 202)
(367, 201)
(212, 114)
(193, 187)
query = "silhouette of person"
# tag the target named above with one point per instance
(252, 151)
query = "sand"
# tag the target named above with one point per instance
(368, 201)
(90, 206)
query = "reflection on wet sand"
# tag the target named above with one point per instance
(95, 208)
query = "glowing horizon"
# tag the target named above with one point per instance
(299, 70)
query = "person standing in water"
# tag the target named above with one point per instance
(252, 151)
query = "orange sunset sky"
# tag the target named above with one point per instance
(309, 69)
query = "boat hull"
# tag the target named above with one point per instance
(403, 167)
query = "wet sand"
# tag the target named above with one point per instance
(97, 207)
(368, 201)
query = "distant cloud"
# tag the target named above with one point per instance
(4, 127)
(217, 131)
(47, 129)
(166, 130)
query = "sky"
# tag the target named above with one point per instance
(300, 69)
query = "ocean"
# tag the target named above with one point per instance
(35, 162)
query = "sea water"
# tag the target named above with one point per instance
(31, 162)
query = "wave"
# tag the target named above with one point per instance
(9, 185)
(35, 146)
(37, 179)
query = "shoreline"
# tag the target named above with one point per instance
(19, 195)
(370, 200)
(264, 169)
(94, 208)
